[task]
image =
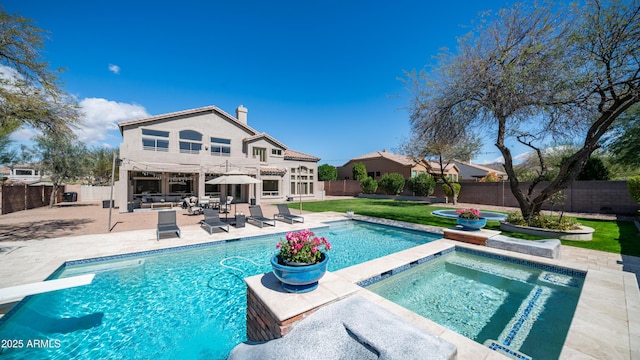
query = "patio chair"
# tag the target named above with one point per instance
(204, 201)
(256, 216)
(285, 215)
(225, 205)
(167, 223)
(212, 220)
(192, 206)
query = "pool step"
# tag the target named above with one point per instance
(493, 269)
(75, 270)
(517, 330)
(505, 350)
(559, 279)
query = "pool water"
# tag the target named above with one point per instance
(517, 307)
(180, 304)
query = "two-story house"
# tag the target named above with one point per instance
(170, 156)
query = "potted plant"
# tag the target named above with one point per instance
(470, 219)
(300, 263)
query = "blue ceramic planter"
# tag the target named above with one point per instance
(472, 224)
(299, 279)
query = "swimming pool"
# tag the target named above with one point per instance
(506, 303)
(187, 303)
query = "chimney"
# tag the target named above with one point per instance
(241, 114)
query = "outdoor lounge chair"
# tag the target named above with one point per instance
(256, 216)
(167, 223)
(285, 215)
(212, 220)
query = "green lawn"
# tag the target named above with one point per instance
(619, 237)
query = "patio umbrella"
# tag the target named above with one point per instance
(233, 177)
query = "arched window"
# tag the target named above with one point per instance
(190, 142)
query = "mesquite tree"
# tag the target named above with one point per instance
(30, 93)
(532, 74)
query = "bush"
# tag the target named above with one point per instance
(392, 184)
(633, 185)
(447, 190)
(359, 171)
(422, 185)
(490, 177)
(368, 185)
(544, 221)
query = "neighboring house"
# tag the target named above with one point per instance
(168, 157)
(470, 171)
(21, 172)
(383, 162)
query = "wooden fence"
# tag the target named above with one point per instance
(23, 197)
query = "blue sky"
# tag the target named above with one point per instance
(321, 77)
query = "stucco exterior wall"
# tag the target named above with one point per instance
(379, 167)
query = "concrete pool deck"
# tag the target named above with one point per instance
(606, 323)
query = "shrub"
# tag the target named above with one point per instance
(422, 185)
(633, 185)
(368, 185)
(359, 171)
(447, 190)
(392, 184)
(544, 221)
(490, 177)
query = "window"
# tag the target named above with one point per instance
(414, 173)
(371, 174)
(190, 142)
(181, 187)
(270, 188)
(260, 153)
(155, 140)
(302, 181)
(24, 172)
(277, 152)
(219, 147)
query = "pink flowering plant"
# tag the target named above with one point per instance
(302, 247)
(473, 214)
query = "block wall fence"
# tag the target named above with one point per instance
(603, 197)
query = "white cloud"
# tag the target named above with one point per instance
(24, 134)
(102, 115)
(114, 69)
(9, 73)
(516, 159)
